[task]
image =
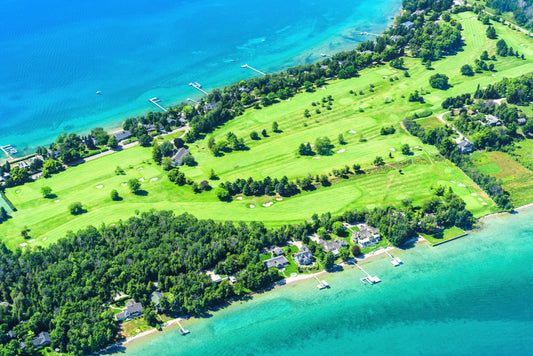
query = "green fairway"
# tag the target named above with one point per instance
(444, 235)
(358, 118)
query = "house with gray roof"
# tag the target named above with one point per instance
(465, 147)
(492, 120)
(304, 257)
(408, 24)
(155, 297)
(366, 236)
(43, 339)
(122, 135)
(179, 155)
(521, 121)
(333, 245)
(278, 251)
(11, 334)
(278, 262)
(130, 311)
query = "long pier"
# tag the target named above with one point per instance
(364, 33)
(370, 279)
(194, 101)
(8, 149)
(321, 284)
(182, 330)
(155, 102)
(197, 86)
(247, 66)
(394, 260)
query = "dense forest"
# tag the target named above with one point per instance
(522, 10)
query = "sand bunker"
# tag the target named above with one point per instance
(392, 149)
(279, 199)
(141, 179)
(317, 157)
(267, 205)
(23, 244)
(99, 186)
(252, 206)
(480, 199)
(44, 238)
(18, 191)
(483, 203)
(385, 77)
(32, 240)
(57, 201)
(154, 179)
(473, 194)
(239, 198)
(341, 150)
(461, 185)
(139, 168)
(124, 184)
(452, 181)
(351, 131)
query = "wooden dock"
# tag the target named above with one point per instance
(368, 279)
(155, 101)
(194, 101)
(258, 71)
(8, 150)
(197, 86)
(321, 284)
(395, 261)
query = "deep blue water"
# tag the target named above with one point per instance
(57, 54)
(471, 296)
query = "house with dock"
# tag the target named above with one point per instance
(130, 311)
(333, 245)
(304, 257)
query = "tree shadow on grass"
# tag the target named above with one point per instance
(141, 192)
(51, 196)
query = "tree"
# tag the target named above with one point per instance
(308, 86)
(275, 126)
(75, 208)
(264, 133)
(46, 191)
(112, 142)
(338, 228)
(378, 161)
(467, 70)
(356, 250)
(491, 33)
(213, 175)
(223, 194)
(167, 163)
(156, 154)
(167, 149)
(145, 140)
(189, 161)
(501, 48)
(439, 81)
(342, 141)
(344, 253)
(179, 143)
(134, 185)
(323, 146)
(406, 150)
(329, 261)
(254, 135)
(114, 195)
(51, 166)
(305, 149)
(3, 214)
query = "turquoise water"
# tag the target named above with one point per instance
(57, 54)
(468, 297)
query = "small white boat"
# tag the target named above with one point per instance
(98, 92)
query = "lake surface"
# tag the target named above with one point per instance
(468, 297)
(57, 54)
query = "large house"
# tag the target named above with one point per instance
(131, 310)
(179, 155)
(366, 236)
(122, 135)
(465, 147)
(43, 339)
(278, 262)
(492, 120)
(333, 245)
(304, 257)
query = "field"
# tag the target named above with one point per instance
(517, 179)
(444, 235)
(358, 117)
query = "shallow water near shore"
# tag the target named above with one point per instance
(56, 55)
(470, 296)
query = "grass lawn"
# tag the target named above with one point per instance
(134, 327)
(382, 243)
(430, 122)
(444, 235)
(276, 155)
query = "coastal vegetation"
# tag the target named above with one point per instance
(397, 169)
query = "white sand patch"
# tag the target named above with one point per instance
(312, 145)
(23, 244)
(392, 149)
(494, 75)
(141, 179)
(417, 147)
(452, 181)
(352, 131)
(484, 88)
(473, 18)
(288, 99)
(461, 185)
(463, 38)
(521, 44)
(341, 150)
(480, 199)
(124, 184)
(323, 88)
(252, 206)
(483, 203)
(32, 240)
(267, 205)
(197, 167)
(385, 77)
(99, 186)
(239, 198)
(139, 168)
(317, 157)
(279, 199)
(473, 194)
(18, 191)
(44, 238)
(57, 201)
(154, 179)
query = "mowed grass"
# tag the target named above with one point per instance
(276, 155)
(444, 235)
(516, 179)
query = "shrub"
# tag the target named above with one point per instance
(75, 208)
(439, 81)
